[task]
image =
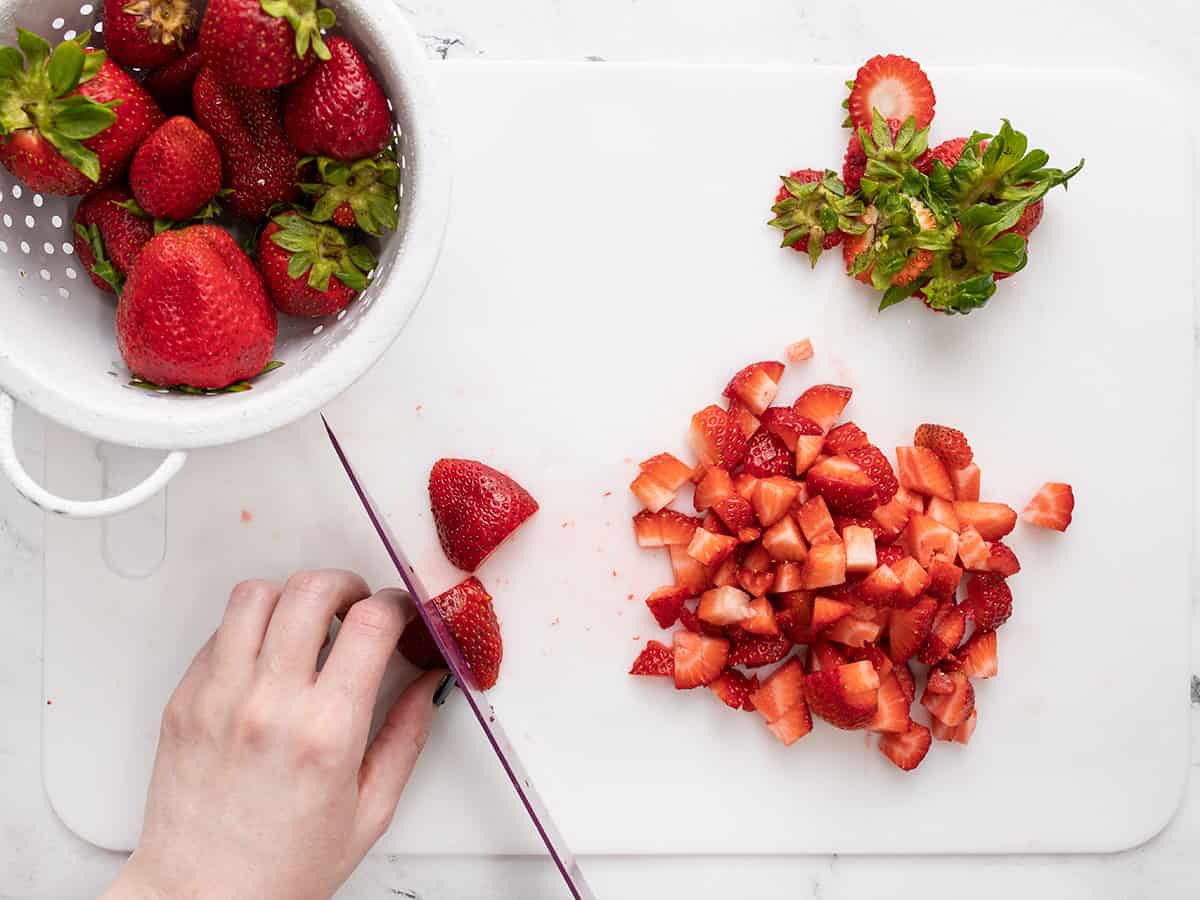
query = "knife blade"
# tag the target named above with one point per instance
(481, 707)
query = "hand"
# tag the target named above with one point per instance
(264, 785)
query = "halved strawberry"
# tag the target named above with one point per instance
(789, 576)
(767, 455)
(844, 485)
(847, 436)
(924, 537)
(745, 483)
(896, 87)
(952, 708)
(966, 482)
(825, 565)
(942, 511)
(800, 351)
(756, 584)
(992, 520)
(880, 587)
(892, 711)
(711, 549)
(892, 518)
(914, 581)
(845, 697)
(687, 571)
(699, 660)
(872, 461)
(716, 438)
(781, 692)
(977, 657)
(944, 578)
(763, 621)
(792, 725)
(650, 493)
(909, 629)
(973, 550)
(989, 602)
(736, 512)
(669, 471)
(824, 404)
(815, 520)
(852, 631)
(784, 541)
(752, 651)
(826, 611)
(665, 604)
(1052, 507)
(734, 689)
(788, 425)
(714, 487)
(823, 656)
(922, 471)
(945, 634)
(1002, 560)
(756, 385)
(949, 444)
(657, 659)
(773, 498)
(746, 421)
(860, 549)
(908, 684)
(725, 606)
(909, 749)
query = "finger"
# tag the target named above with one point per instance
(301, 621)
(185, 692)
(364, 646)
(240, 637)
(392, 755)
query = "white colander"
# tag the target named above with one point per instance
(58, 350)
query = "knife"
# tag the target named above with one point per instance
(483, 710)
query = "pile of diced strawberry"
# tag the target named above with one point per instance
(813, 554)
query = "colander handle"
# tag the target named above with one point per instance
(76, 509)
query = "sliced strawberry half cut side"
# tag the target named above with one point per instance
(725, 606)
(763, 622)
(966, 482)
(907, 750)
(773, 499)
(914, 581)
(852, 631)
(880, 587)
(922, 471)
(826, 611)
(974, 551)
(892, 709)
(656, 659)
(1052, 507)
(954, 707)
(992, 520)
(815, 520)
(924, 538)
(698, 660)
(896, 86)
(824, 404)
(687, 571)
(784, 541)
(650, 493)
(669, 471)
(714, 487)
(977, 657)
(825, 566)
(860, 549)
(746, 421)
(792, 725)
(711, 549)
(942, 511)
(756, 385)
(781, 692)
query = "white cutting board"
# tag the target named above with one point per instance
(607, 268)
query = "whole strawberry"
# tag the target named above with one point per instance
(148, 33)
(71, 119)
(177, 171)
(264, 43)
(475, 509)
(247, 125)
(171, 85)
(338, 109)
(194, 312)
(363, 195)
(471, 620)
(311, 269)
(109, 237)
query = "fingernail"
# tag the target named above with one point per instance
(442, 694)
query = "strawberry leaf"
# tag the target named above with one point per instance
(102, 267)
(34, 46)
(11, 62)
(66, 68)
(79, 118)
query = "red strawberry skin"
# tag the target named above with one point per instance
(338, 109)
(195, 312)
(176, 171)
(122, 233)
(468, 612)
(148, 33)
(171, 85)
(295, 296)
(948, 153)
(475, 508)
(247, 125)
(250, 48)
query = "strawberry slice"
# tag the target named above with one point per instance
(892, 518)
(923, 538)
(872, 461)
(650, 493)
(989, 602)
(734, 689)
(781, 692)
(751, 651)
(756, 584)
(824, 656)
(699, 660)
(909, 629)
(891, 714)
(977, 657)
(973, 550)
(711, 549)
(844, 485)
(657, 659)
(1052, 507)
(815, 520)
(665, 604)
(736, 512)
(909, 749)
(756, 385)
(845, 437)
(476, 509)
(908, 684)
(788, 425)
(945, 634)
(949, 444)
(943, 511)
(763, 622)
(716, 438)
(825, 566)
(687, 571)
(896, 86)
(1002, 560)
(860, 549)
(944, 578)
(725, 606)
(669, 471)
(992, 520)
(914, 581)
(846, 696)
(952, 708)
(966, 482)
(826, 611)
(773, 498)
(767, 455)
(880, 587)
(469, 615)
(922, 471)
(745, 420)
(714, 487)
(784, 541)
(824, 404)
(851, 631)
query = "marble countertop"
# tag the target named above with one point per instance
(40, 858)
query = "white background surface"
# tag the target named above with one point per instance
(39, 858)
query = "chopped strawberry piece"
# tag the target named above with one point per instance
(756, 385)
(940, 730)
(823, 656)
(962, 734)
(825, 612)
(845, 437)
(966, 482)
(944, 578)
(767, 455)
(989, 602)
(745, 420)
(784, 541)
(710, 549)
(751, 651)
(1052, 507)
(688, 572)
(845, 487)
(949, 444)
(808, 452)
(973, 550)
(773, 498)
(872, 461)
(896, 87)
(788, 425)
(908, 684)
(914, 581)
(825, 565)
(924, 537)
(734, 689)
(889, 556)
(792, 725)
(749, 534)
(712, 524)
(992, 520)
(909, 629)
(801, 351)
(853, 632)
(909, 749)
(891, 714)
(781, 692)
(650, 493)
(942, 511)
(845, 697)
(952, 708)
(824, 404)
(656, 659)
(880, 587)
(745, 485)
(648, 530)
(860, 549)
(699, 660)
(669, 471)
(756, 584)
(946, 632)
(788, 577)
(716, 438)
(977, 657)
(725, 606)
(665, 604)
(667, 528)
(714, 487)
(922, 471)
(1002, 560)
(757, 559)
(873, 654)
(892, 518)
(727, 573)
(940, 682)
(735, 511)
(689, 620)
(793, 601)
(815, 519)
(763, 621)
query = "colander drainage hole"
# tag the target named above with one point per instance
(71, 273)
(38, 201)
(58, 23)
(25, 248)
(49, 248)
(3, 246)
(64, 293)
(87, 9)
(30, 221)
(69, 34)
(16, 191)
(45, 273)
(99, 27)
(56, 221)
(68, 249)
(7, 220)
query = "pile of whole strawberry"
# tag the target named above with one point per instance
(942, 224)
(274, 124)
(809, 538)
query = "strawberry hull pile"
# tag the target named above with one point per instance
(248, 116)
(812, 554)
(943, 223)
